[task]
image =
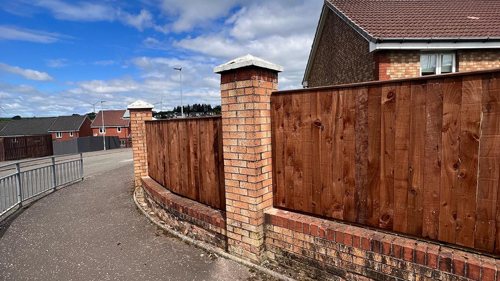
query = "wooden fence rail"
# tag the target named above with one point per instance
(419, 156)
(185, 156)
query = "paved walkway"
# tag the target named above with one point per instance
(93, 231)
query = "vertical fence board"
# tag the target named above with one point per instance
(387, 142)
(432, 168)
(374, 135)
(417, 159)
(452, 103)
(325, 130)
(401, 157)
(469, 148)
(489, 170)
(316, 132)
(307, 160)
(277, 119)
(348, 155)
(298, 169)
(361, 155)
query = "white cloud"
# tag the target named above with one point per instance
(57, 63)
(141, 21)
(194, 13)
(97, 11)
(21, 34)
(26, 73)
(104, 62)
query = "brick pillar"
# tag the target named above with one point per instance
(139, 113)
(246, 86)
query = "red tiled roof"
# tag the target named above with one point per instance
(112, 118)
(423, 18)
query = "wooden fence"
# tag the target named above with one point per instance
(15, 148)
(185, 156)
(418, 156)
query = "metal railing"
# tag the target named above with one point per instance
(24, 180)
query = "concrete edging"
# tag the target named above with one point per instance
(210, 249)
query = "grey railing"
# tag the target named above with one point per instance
(24, 180)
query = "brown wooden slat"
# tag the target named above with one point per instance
(325, 129)
(289, 152)
(489, 163)
(373, 174)
(387, 142)
(401, 157)
(278, 147)
(307, 150)
(452, 103)
(297, 139)
(469, 150)
(361, 154)
(348, 118)
(432, 168)
(316, 131)
(417, 159)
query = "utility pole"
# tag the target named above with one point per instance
(103, 128)
(182, 106)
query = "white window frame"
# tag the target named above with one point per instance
(119, 129)
(70, 134)
(59, 135)
(101, 132)
(439, 62)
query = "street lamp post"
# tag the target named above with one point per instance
(182, 106)
(103, 129)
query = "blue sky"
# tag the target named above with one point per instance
(58, 57)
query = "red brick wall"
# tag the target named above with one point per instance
(113, 132)
(343, 56)
(470, 60)
(85, 130)
(65, 136)
(138, 128)
(322, 249)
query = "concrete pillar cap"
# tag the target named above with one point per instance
(140, 105)
(245, 61)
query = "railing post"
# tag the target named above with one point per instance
(81, 165)
(19, 187)
(54, 176)
(246, 86)
(139, 113)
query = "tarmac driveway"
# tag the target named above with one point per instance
(93, 231)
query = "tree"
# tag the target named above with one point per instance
(17, 117)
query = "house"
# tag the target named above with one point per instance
(70, 127)
(367, 40)
(27, 127)
(115, 125)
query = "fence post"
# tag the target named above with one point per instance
(139, 113)
(54, 175)
(246, 86)
(81, 165)
(19, 187)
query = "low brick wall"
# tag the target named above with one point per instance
(186, 216)
(324, 249)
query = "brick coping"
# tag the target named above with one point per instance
(184, 205)
(458, 262)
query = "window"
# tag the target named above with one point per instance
(58, 135)
(101, 131)
(119, 129)
(436, 63)
(70, 134)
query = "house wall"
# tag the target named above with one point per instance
(85, 130)
(406, 64)
(65, 136)
(470, 60)
(335, 61)
(113, 132)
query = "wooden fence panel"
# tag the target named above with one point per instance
(16, 148)
(185, 156)
(418, 156)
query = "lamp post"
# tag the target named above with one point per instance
(182, 106)
(103, 129)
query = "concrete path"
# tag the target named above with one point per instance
(93, 231)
